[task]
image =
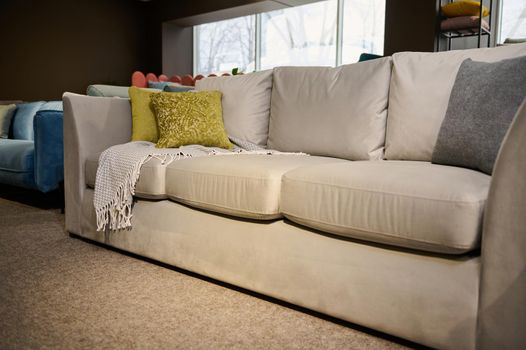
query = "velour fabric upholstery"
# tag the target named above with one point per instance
(16, 155)
(151, 183)
(240, 185)
(49, 149)
(34, 159)
(336, 112)
(418, 96)
(162, 85)
(107, 91)
(52, 106)
(246, 104)
(425, 298)
(482, 105)
(25, 180)
(17, 163)
(415, 205)
(23, 120)
(502, 305)
(177, 88)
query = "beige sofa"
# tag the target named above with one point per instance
(365, 229)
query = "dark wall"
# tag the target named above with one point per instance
(410, 25)
(62, 45)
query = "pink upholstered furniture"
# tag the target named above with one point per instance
(138, 78)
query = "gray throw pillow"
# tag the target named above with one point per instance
(483, 102)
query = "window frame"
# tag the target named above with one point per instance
(258, 36)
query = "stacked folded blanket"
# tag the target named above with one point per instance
(463, 16)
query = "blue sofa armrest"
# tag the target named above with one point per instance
(49, 149)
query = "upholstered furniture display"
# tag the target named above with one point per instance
(107, 90)
(32, 156)
(365, 228)
(102, 90)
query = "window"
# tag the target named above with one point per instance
(324, 33)
(512, 20)
(221, 46)
(363, 28)
(299, 36)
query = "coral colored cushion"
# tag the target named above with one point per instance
(139, 80)
(190, 118)
(188, 80)
(144, 125)
(176, 79)
(464, 8)
(151, 77)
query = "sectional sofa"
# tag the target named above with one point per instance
(365, 229)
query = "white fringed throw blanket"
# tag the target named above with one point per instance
(119, 169)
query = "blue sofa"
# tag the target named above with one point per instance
(32, 157)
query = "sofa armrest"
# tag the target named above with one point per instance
(502, 304)
(49, 156)
(91, 124)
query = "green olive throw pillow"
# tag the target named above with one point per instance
(144, 126)
(190, 118)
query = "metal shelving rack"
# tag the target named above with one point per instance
(450, 35)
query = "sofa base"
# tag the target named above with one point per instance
(425, 298)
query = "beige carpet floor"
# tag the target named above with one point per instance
(59, 292)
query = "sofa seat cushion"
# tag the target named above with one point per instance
(17, 155)
(415, 205)
(246, 186)
(151, 183)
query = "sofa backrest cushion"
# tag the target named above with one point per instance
(6, 116)
(418, 98)
(52, 106)
(23, 120)
(246, 104)
(178, 88)
(338, 112)
(107, 91)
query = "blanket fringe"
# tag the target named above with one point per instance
(117, 214)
